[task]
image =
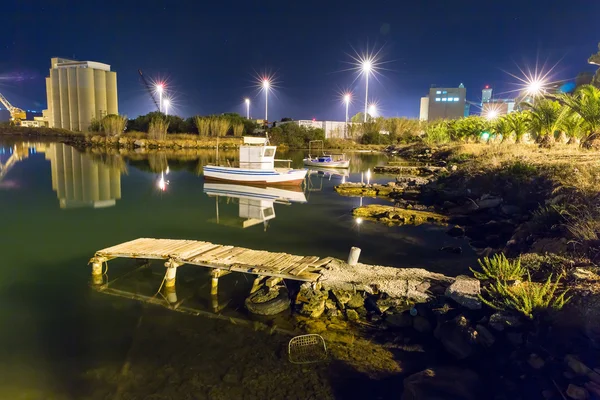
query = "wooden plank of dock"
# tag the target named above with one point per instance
(210, 255)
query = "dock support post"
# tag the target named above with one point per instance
(171, 273)
(353, 256)
(214, 288)
(97, 264)
(171, 294)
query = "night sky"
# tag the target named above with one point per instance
(211, 51)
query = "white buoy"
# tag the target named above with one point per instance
(353, 256)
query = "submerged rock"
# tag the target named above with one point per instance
(398, 216)
(465, 291)
(442, 383)
(456, 231)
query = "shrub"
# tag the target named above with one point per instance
(436, 133)
(238, 129)
(527, 298)
(157, 129)
(583, 223)
(114, 124)
(500, 268)
(203, 125)
(375, 138)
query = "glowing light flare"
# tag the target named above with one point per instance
(491, 115)
(162, 183)
(372, 110)
(534, 83)
(358, 220)
(166, 104)
(368, 176)
(247, 101)
(347, 98)
(266, 84)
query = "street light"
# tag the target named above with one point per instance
(247, 108)
(366, 67)
(492, 115)
(266, 84)
(372, 110)
(347, 98)
(159, 89)
(166, 104)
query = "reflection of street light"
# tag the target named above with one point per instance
(366, 67)
(247, 108)
(266, 84)
(368, 176)
(162, 183)
(359, 220)
(166, 103)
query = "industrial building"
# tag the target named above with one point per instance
(78, 92)
(493, 108)
(444, 103)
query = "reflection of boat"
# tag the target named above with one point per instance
(256, 204)
(324, 160)
(328, 172)
(257, 166)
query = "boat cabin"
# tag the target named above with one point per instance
(255, 153)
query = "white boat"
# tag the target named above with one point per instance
(257, 167)
(324, 160)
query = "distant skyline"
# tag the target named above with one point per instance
(210, 53)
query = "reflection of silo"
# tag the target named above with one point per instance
(77, 177)
(55, 98)
(85, 93)
(68, 168)
(100, 93)
(73, 101)
(111, 92)
(104, 182)
(90, 180)
(115, 183)
(63, 83)
(60, 171)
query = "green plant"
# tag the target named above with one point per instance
(157, 129)
(499, 267)
(219, 126)
(114, 124)
(519, 123)
(95, 125)
(527, 298)
(203, 125)
(586, 103)
(583, 222)
(238, 129)
(546, 117)
(436, 133)
(545, 218)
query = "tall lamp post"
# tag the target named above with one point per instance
(366, 67)
(266, 84)
(166, 104)
(159, 89)
(347, 98)
(247, 108)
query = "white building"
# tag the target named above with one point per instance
(424, 112)
(333, 129)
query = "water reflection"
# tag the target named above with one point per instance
(255, 204)
(80, 181)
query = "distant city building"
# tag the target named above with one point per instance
(486, 94)
(446, 103)
(424, 112)
(79, 91)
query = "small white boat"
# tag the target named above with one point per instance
(325, 160)
(257, 166)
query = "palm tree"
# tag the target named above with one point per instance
(519, 123)
(572, 125)
(545, 120)
(502, 127)
(586, 103)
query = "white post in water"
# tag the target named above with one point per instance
(362, 176)
(171, 294)
(97, 271)
(353, 256)
(171, 273)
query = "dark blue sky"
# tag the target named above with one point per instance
(210, 50)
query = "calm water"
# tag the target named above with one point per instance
(63, 339)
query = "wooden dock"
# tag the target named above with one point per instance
(221, 258)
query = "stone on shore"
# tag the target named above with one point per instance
(398, 216)
(442, 383)
(465, 291)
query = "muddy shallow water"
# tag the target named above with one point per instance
(62, 339)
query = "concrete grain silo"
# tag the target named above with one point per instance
(78, 92)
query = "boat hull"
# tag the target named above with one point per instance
(279, 177)
(326, 164)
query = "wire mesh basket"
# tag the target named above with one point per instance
(306, 349)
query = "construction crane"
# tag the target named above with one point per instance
(149, 89)
(16, 114)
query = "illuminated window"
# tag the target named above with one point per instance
(438, 92)
(444, 92)
(456, 99)
(438, 99)
(269, 152)
(444, 99)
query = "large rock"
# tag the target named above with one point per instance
(356, 301)
(402, 320)
(442, 383)
(488, 202)
(503, 319)
(457, 337)
(465, 291)
(422, 324)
